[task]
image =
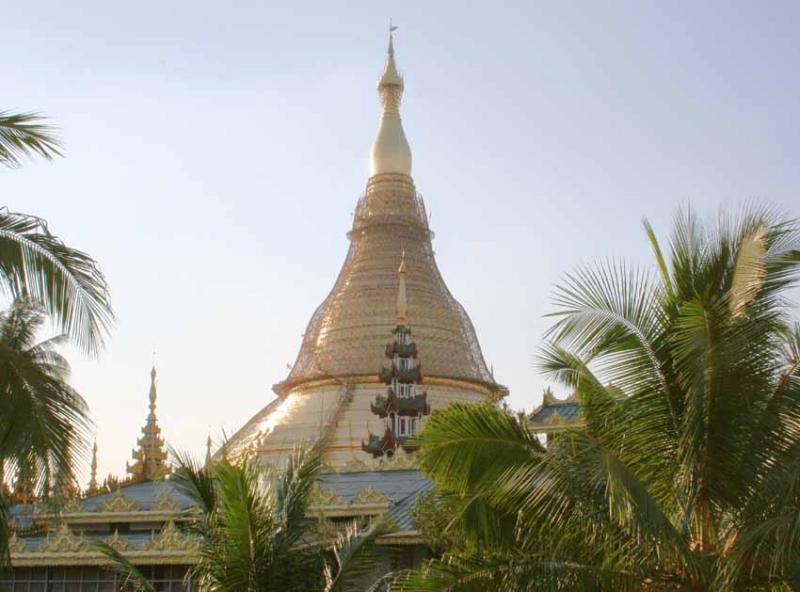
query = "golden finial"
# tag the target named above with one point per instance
(390, 78)
(208, 450)
(153, 375)
(402, 299)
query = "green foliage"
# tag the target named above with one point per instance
(66, 282)
(43, 420)
(253, 532)
(37, 265)
(686, 474)
(25, 134)
(252, 524)
(433, 520)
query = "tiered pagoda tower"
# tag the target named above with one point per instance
(150, 459)
(329, 391)
(405, 404)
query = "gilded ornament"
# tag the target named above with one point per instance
(119, 503)
(171, 539)
(73, 506)
(16, 544)
(118, 542)
(64, 541)
(325, 497)
(164, 502)
(370, 496)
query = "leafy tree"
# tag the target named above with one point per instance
(43, 420)
(254, 534)
(685, 476)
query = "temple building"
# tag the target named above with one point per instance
(356, 388)
(52, 537)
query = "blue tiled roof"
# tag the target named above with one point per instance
(403, 488)
(396, 485)
(137, 540)
(145, 494)
(568, 412)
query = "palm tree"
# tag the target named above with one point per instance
(254, 534)
(686, 474)
(36, 264)
(43, 420)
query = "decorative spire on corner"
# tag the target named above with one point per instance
(405, 404)
(93, 484)
(150, 459)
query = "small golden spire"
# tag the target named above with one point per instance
(402, 299)
(391, 80)
(93, 485)
(208, 450)
(150, 457)
(153, 375)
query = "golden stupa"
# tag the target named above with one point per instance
(328, 391)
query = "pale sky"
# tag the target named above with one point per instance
(215, 152)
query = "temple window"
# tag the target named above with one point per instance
(403, 429)
(404, 390)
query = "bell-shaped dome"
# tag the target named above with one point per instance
(347, 333)
(328, 391)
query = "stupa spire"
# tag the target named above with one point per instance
(150, 458)
(402, 298)
(390, 150)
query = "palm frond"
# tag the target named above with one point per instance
(478, 573)
(749, 269)
(466, 444)
(195, 482)
(5, 553)
(292, 490)
(66, 282)
(133, 579)
(25, 134)
(663, 268)
(355, 555)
